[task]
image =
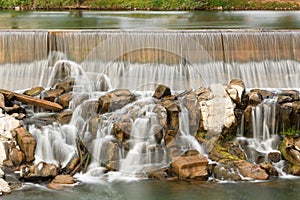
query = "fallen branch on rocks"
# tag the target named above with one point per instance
(32, 101)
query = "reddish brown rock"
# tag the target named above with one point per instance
(61, 181)
(251, 170)
(191, 167)
(26, 142)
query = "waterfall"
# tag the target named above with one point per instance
(101, 61)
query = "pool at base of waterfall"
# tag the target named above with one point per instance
(148, 189)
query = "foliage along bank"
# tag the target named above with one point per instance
(151, 4)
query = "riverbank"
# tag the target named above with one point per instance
(151, 5)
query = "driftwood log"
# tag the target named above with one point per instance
(32, 100)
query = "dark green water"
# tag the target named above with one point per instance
(149, 190)
(149, 19)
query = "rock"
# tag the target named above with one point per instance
(61, 181)
(254, 97)
(4, 187)
(66, 85)
(64, 117)
(191, 103)
(115, 100)
(2, 174)
(274, 157)
(293, 94)
(52, 94)
(266, 94)
(236, 90)
(161, 91)
(17, 157)
(191, 167)
(40, 171)
(217, 113)
(225, 172)
(172, 114)
(251, 170)
(89, 108)
(122, 128)
(203, 94)
(65, 99)
(26, 142)
(269, 169)
(34, 91)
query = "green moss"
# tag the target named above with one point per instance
(291, 131)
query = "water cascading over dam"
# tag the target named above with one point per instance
(181, 59)
(140, 60)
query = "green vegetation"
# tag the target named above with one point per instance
(151, 4)
(291, 131)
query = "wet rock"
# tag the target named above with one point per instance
(64, 117)
(274, 157)
(157, 175)
(52, 94)
(191, 167)
(236, 89)
(122, 128)
(266, 94)
(61, 181)
(40, 171)
(4, 187)
(115, 100)
(288, 96)
(203, 94)
(34, 91)
(17, 157)
(93, 124)
(191, 103)
(71, 165)
(254, 98)
(161, 91)
(66, 85)
(269, 169)
(225, 172)
(89, 108)
(172, 114)
(65, 99)
(251, 170)
(26, 142)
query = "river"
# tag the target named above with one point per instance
(149, 19)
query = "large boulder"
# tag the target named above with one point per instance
(191, 167)
(26, 142)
